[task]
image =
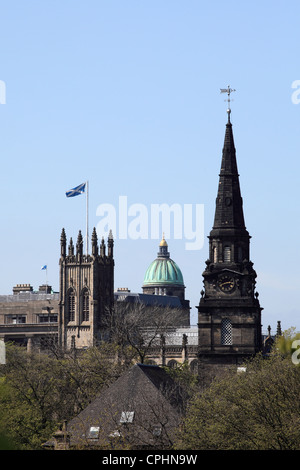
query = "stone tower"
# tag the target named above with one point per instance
(229, 313)
(86, 291)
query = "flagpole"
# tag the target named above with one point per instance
(87, 217)
(44, 268)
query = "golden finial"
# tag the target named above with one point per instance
(163, 241)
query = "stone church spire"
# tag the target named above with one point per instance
(229, 239)
(229, 313)
(229, 204)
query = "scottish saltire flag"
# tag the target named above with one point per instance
(44, 267)
(76, 191)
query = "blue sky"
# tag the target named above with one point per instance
(125, 94)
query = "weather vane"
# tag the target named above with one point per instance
(228, 90)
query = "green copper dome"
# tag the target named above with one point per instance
(163, 270)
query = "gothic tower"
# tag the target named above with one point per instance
(229, 314)
(86, 291)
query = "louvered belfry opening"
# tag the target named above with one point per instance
(226, 332)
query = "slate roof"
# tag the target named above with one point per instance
(149, 299)
(145, 397)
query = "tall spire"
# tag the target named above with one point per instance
(229, 239)
(229, 313)
(229, 204)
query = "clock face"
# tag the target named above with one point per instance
(226, 283)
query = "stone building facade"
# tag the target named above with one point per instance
(29, 317)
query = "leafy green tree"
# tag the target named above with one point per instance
(25, 400)
(39, 391)
(254, 410)
(288, 344)
(185, 378)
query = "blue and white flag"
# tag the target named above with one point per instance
(76, 191)
(44, 267)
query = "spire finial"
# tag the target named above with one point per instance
(163, 248)
(94, 243)
(163, 241)
(228, 90)
(79, 243)
(63, 243)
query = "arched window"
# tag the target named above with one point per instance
(71, 305)
(85, 305)
(227, 254)
(172, 363)
(226, 332)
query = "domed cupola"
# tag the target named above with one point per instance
(163, 276)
